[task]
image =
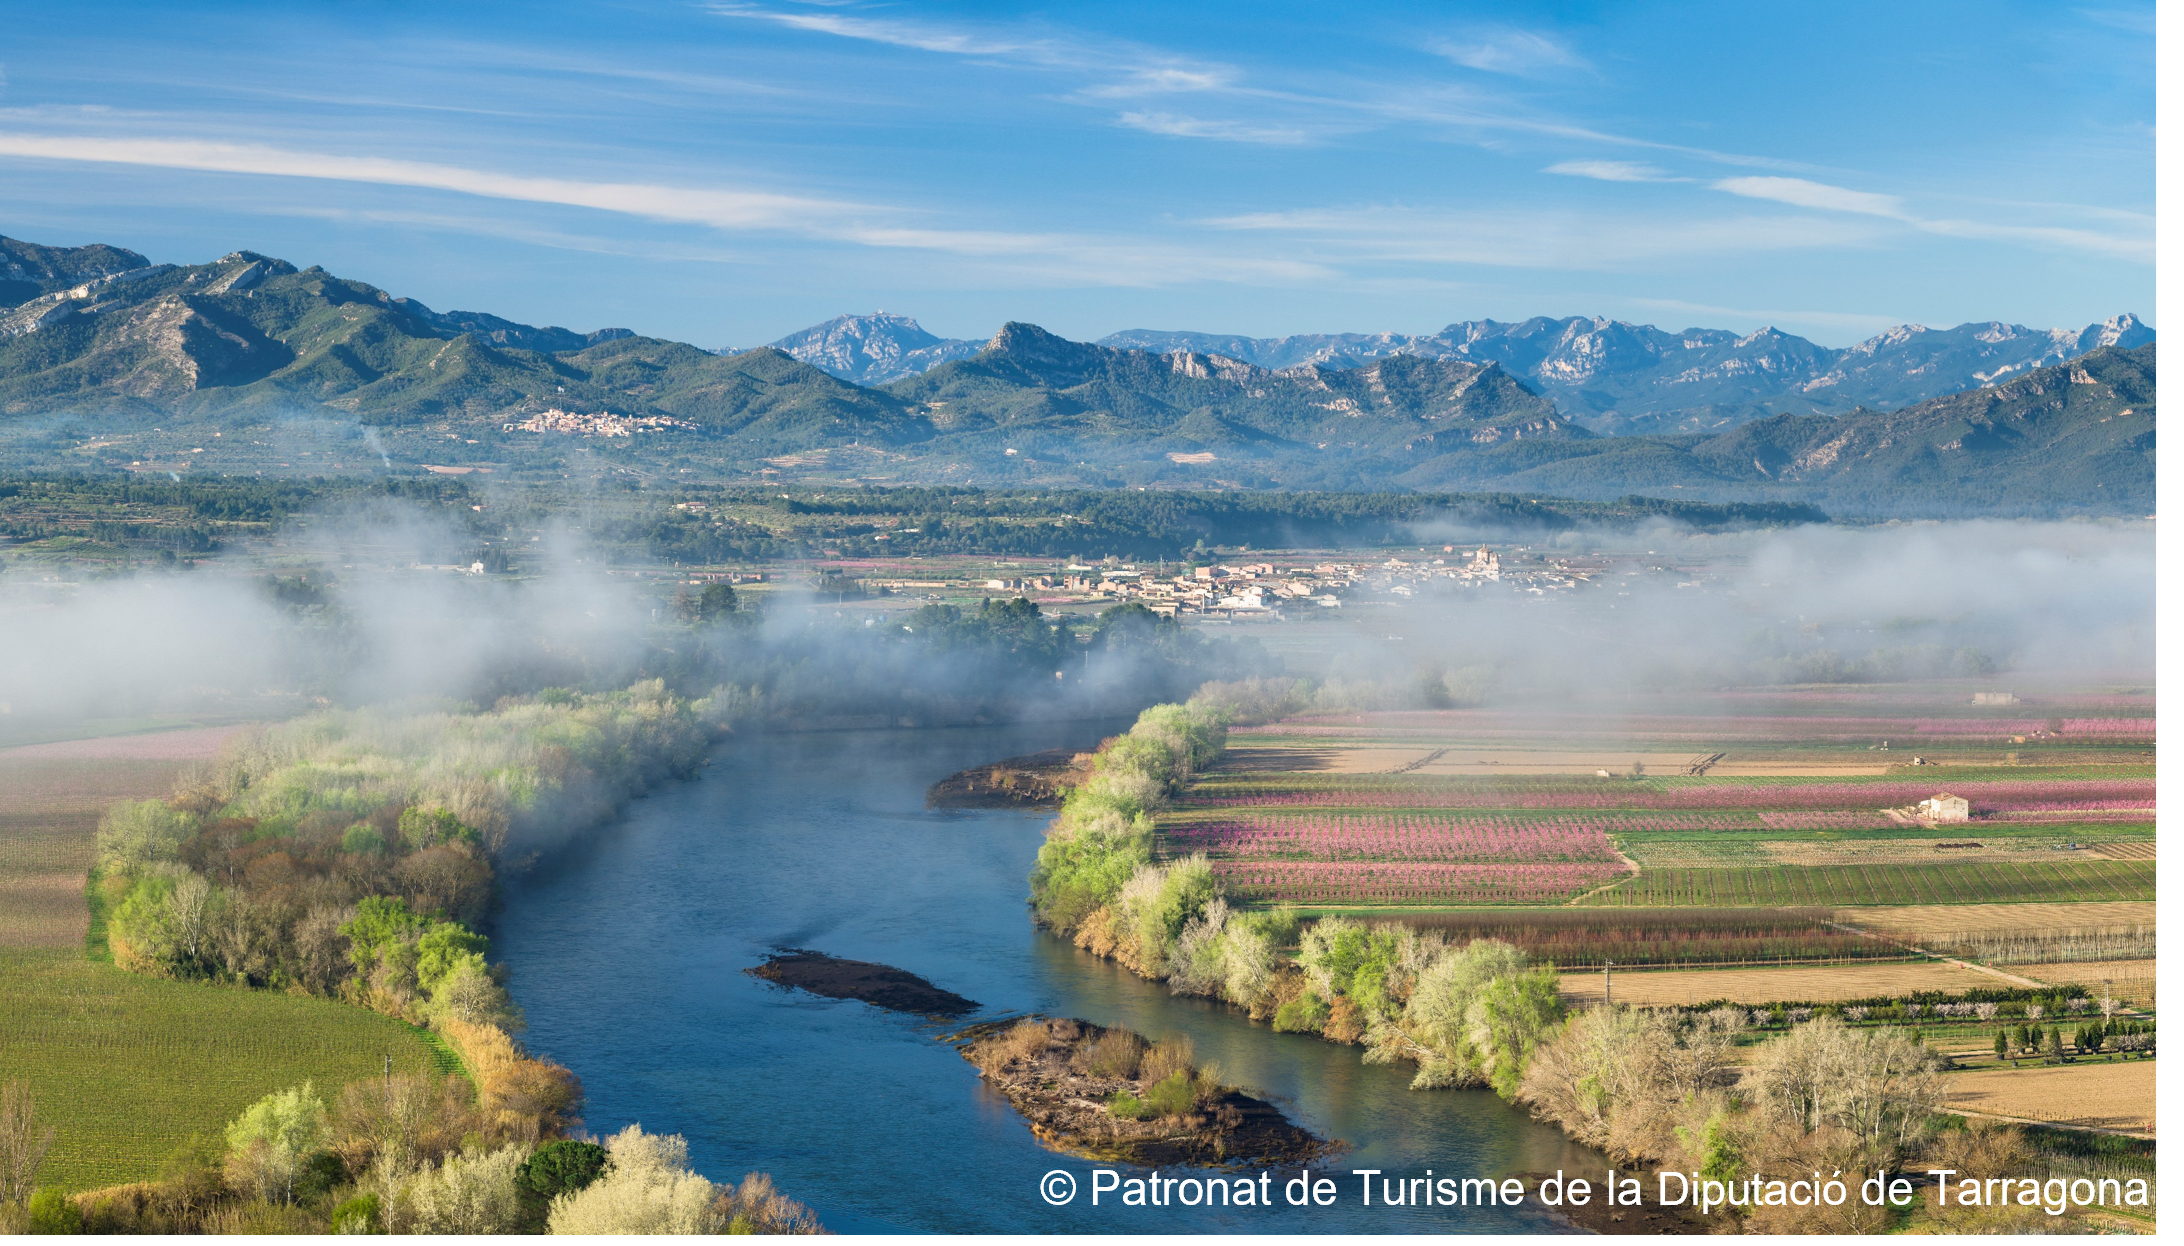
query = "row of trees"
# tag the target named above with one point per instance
(354, 854)
(1467, 1015)
(2085, 1040)
(1646, 1086)
(1656, 1087)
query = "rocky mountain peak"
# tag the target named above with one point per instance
(874, 349)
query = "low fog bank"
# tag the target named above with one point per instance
(373, 612)
(382, 606)
(1673, 611)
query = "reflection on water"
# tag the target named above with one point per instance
(629, 955)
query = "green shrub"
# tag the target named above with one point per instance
(445, 949)
(1083, 867)
(381, 923)
(428, 828)
(1173, 1095)
(1306, 1014)
(1129, 1106)
(363, 839)
(53, 1212)
(318, 1175)
(563, 1165)
(358, 1215)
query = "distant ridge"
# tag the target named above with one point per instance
(1618, 377)
(1610, 376)
(99, 346)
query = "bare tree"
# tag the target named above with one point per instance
(322, 951)
(189, 906)
(1877, 1084)
(23, 1146)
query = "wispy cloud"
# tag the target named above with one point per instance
(2137, 21)
(1799, 192)
(1055, 256)
(1163, 80)
(1613, 171)
(726, 209)
(1199, 127)
(1805, 194)
(923, 36)
(1517, 53)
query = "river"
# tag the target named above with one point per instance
(629, 951)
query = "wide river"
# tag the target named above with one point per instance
(629, 955)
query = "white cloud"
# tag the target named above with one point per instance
(1164, 80)
(1092, 260)
(2137, 245)
(923, 36)
(2127, 248)
(726, 209)
(1612, 171)
(1197, 127)
(1517, 53)
(1805, 194)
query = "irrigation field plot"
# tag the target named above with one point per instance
(1658, 851)
(2097, 1096)
(50, 795)
(1580, 937)
(2132, 981)
(1768, 799)
(1805, 983)
(1996, 883)
(129, 1067)
(1952, 920)
(1820, 729)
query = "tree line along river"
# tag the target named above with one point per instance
(629, 953)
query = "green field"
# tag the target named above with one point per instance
(127, 1067)
(1954, 883)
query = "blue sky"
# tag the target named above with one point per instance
(726, 172)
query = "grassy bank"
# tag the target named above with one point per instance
(128, 1067)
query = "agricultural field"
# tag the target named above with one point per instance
(128, 1067)
(1660, 937)
(1819, 984)
(2118, 1096)
(2131, 981)
(1768, 799)
(50, 798)
(1943, 883)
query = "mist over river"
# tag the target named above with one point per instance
(629, 953)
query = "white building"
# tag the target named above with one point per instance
(1942, 807)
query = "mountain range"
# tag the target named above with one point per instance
(1610, 376)
(102, 341)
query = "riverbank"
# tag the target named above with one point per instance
(630, 951)
(1035, 781)
(1107, 1094)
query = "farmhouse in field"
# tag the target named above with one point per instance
(1942, 807)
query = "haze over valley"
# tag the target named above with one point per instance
(1436, 619)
